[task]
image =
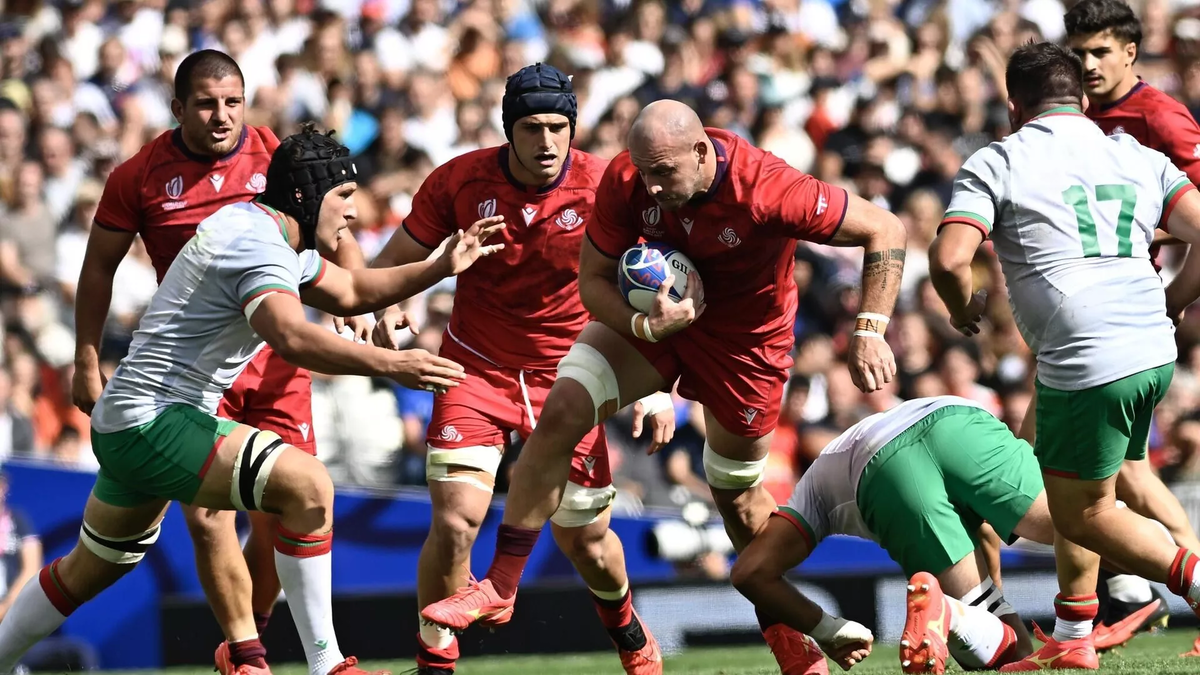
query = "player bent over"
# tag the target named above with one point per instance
(1072, 213)
(154, 428)
(919, 479)
(736, 212)
(515, 316)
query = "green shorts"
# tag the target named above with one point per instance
(165, 458)
(926, 492)
(1087, 434)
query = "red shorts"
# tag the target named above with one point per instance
(273, 395)
(491, 402)
(740, 379)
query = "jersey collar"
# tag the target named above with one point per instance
(562, 174)
(1141, 84)
(1060, 111)
(718, 178)
(278, 220)
(177, 139)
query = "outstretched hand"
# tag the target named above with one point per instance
(462, 249)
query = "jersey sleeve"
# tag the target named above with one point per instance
(1178, 136)
(611, 227)
(1172, 181)
(120, 206)
(978, 189)
(796, 205)
(807, 511)
(432, 217)
(312, 269)
(258, 267)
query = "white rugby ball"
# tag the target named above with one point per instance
(643, 268)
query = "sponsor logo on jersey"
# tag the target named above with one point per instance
(449, 433)
(749, 414)
(651, 218)
(569, 220)
(822, 204)
(1196, 151)
(174, 189)
(729, 238)
(304, 428)
(687, 224)
(218, 181)
(589, 465)
(530, 213)
(257, 183)
(487, 208)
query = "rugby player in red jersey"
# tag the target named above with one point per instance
(516, 314)
(737, 212)
(162, 193)
(1107, 36)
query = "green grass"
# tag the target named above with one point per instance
(1146, 655)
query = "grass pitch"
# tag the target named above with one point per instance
(1155, 654)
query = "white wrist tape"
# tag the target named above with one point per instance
(868, 334)
(874, 317)
(835, 632)
(659, 401)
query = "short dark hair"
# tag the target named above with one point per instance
(1097, 16)
(204, 63)
(1043, 72)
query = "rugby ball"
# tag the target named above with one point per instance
(642, 270)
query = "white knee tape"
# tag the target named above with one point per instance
(730, 474)
(581, 506)
(251, 468)
(119, 550)
(986, 596)
(440, 465)
(588, 367)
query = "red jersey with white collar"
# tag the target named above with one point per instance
(518, 308)
(741, 234)
(165, 190)
(1157, 121)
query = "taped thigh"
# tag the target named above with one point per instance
(587, 366)
(476, 466)
(119, 550)
(252, 467)
(581, 506)
(731, 474)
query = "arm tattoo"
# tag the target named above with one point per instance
(883, 264)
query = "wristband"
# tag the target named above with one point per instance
(641, 331)
(646, 328)
(876, 323)
(868, 334)
(659, 401)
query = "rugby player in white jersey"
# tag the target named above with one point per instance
(1071, 214)
(237, 284)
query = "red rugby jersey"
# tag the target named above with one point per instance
(1157, 121)
(518, 308)
(165, 190)
(741, 234)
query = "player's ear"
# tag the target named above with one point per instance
(701, 149)
(1131, 50)
(177, 110)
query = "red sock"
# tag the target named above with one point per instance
(260, 621)
(1007, 652)
(248, 653)
(1076, 607)
(614, 613)
(428, 657)
(1183, 570)
(513, 545)
(56, 591)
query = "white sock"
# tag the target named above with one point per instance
(1065, 629)
(1129, 588)
(31, 618)
(433, 635)
(308, 585)
(976, 635)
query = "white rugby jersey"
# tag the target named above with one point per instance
(825, 501)
(1072, 213)
(195, 338)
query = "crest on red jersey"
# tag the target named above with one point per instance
(569, 220)
(729, 237)
(258, 183)
(487, 208)
(175, 187)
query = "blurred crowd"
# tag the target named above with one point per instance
(884, 97)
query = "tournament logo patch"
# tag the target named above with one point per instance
(487, 208)
(651, 218)
(175, 187)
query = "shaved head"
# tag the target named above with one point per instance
(671, 150)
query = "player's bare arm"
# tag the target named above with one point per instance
(759, 573)
(349, 256)
(281, 322)
(368, 289)
(950, 258)
(105, 250)
(1184, 222)
(884, 241)
(599, 292)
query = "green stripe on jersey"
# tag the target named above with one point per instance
(968, 215)
(805, 529)
(1183, 182)
(269, 288)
